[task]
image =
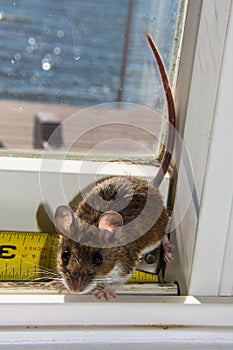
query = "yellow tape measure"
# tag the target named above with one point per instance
(31, 256)
(143, 277)
(27, 256)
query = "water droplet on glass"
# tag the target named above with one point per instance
(31, 41)
(57, 51)
(60, 34)
(18, 56)
(46, 65)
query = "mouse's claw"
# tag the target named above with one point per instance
(107, 293)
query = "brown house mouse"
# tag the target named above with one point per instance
(118, 220)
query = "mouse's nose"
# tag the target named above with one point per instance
(79, 282)
(76, 284)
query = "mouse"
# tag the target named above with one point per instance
(116, 222)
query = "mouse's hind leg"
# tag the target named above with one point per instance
(168, 247)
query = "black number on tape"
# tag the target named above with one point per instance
(5, 251)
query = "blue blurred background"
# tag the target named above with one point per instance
(84, 52)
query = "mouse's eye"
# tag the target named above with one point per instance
(65, 257)
(97, 259)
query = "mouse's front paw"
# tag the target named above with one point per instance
(107, 293)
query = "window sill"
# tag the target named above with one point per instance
(40, 310)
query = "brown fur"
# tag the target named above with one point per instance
(144, 224)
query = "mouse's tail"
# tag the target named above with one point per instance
(170, 137)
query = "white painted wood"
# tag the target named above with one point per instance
(226, 285)
(213, 226)
(185, 219)
(201, 236)
(204, 85)
(26, 182)
(117, 338)
(62, 322)
(82, 310)
(186, 59)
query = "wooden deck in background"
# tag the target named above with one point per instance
(17, 128)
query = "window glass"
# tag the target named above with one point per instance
(58, 58)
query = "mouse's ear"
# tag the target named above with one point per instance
(65, 221)
(110, 224)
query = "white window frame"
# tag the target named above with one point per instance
(205, 235)
(203, 97)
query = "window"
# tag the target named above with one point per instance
(203, 103)
(86, 76)
(59, 59)
(88, 73)
(72, 65)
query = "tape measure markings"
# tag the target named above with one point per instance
(31, 256)
(20, 268)
(24, 256)
(54, 240)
